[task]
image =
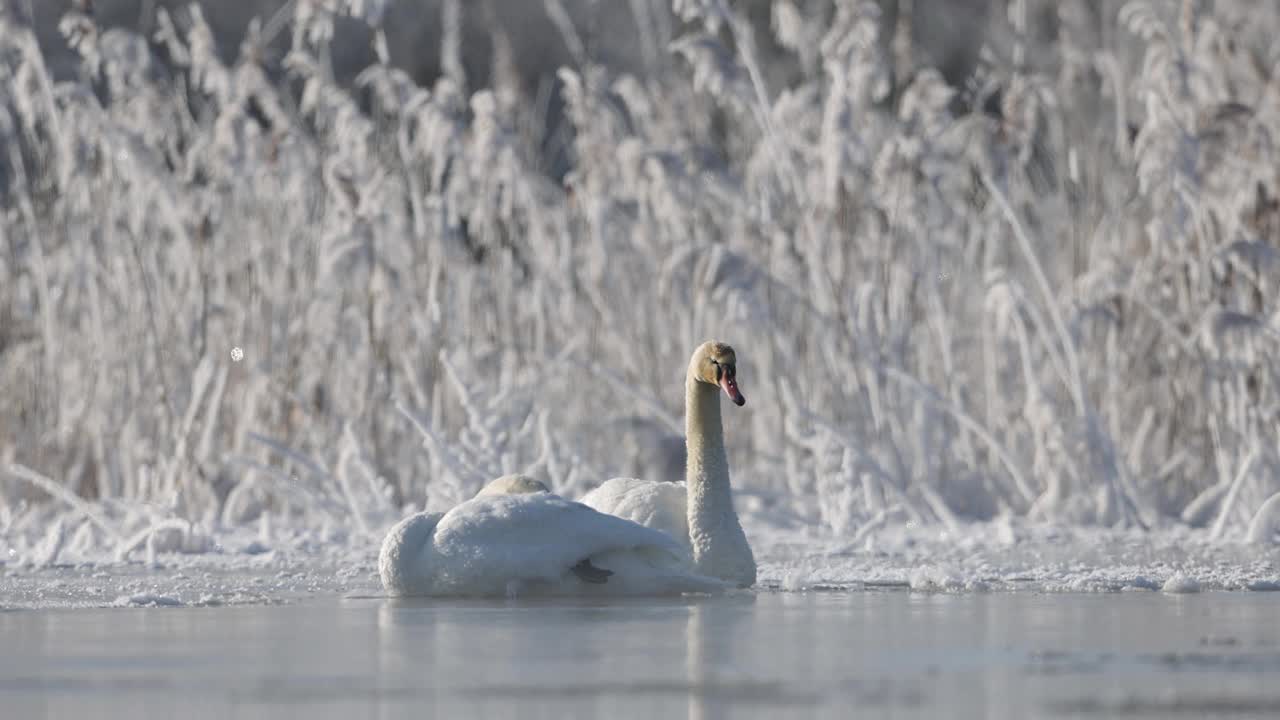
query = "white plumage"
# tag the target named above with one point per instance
(657, 505)
(532, 543)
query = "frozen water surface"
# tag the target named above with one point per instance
(889, 653)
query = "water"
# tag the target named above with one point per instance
(878, 653)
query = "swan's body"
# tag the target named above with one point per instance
(658, 505)
(532, 543)
(699, 513)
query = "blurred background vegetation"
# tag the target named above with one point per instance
(1010, 258)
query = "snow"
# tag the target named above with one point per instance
(975, 558)
(147, 600)
(1180, 584)
(971, 558)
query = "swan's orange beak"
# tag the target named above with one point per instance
(730, 386)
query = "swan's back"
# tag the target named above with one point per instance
(654, 504)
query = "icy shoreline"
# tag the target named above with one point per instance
(996, 557)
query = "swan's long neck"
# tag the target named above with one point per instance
(720, 548)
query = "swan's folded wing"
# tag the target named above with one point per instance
(658, 505)
(533, 538)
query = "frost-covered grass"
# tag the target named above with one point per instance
(1058, 306)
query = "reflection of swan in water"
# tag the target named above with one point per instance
(696, 661)
(508, 540)
(444, 658)
(699, 513)
(716, 684)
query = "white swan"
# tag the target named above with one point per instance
(699, 512)
(515, 538)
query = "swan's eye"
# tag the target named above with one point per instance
(730, 370)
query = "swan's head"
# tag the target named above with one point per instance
(715, 363)
(513, 485)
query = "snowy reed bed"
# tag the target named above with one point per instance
(1049, 295)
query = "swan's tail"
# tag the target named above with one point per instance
(403, 562)
(650, 571)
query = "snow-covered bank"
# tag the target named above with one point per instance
(237, 570)
(239, 567)
(997, 558)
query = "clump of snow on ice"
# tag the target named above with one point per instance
(1180, 584)
(934, 579)
(146, 600)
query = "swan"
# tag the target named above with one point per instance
(697, 513)
(516, 538)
